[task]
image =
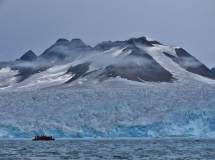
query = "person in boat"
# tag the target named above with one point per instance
(43, 137)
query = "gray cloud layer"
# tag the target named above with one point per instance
(37, 24)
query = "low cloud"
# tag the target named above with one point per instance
(190, 62)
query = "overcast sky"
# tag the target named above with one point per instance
(36, 24)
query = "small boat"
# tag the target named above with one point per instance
(43, 138)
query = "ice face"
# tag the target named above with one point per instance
(111, 109)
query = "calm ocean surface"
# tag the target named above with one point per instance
(108, 149)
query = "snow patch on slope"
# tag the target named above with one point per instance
(168, 49)
(149, 39)
(5, 70)
(177, 71)
(166, 62)
(118, 52)
(58, 68)
(7, 78)
(53, 76)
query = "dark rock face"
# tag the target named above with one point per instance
(78, 70)
(213, 70)
(190, 63)
(28, 56)
(134, 72)
(138, 66)
(26, 72)
(107, 45)
(182, 53)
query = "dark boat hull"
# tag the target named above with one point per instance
(43, 139)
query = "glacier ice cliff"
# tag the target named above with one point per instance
(111, 110)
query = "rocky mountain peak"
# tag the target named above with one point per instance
(76, 42)
(28, 56)
(62, 40)
(141, 41)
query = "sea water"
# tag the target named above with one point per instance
(108, 149)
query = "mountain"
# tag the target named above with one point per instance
(65, 49)
(66, 63)
(28, 56)
(213, 70)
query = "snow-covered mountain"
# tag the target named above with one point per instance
(133, 88)
(70, 62)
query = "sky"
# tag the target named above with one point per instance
(37, 24)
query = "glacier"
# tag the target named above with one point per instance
(113, 109)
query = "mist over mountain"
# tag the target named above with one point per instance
(137, 59)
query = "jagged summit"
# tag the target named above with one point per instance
(106, 45)
(63, 49)
(140, 41)
(28, 56)
(76, 42)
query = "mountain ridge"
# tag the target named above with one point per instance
(136, 59)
